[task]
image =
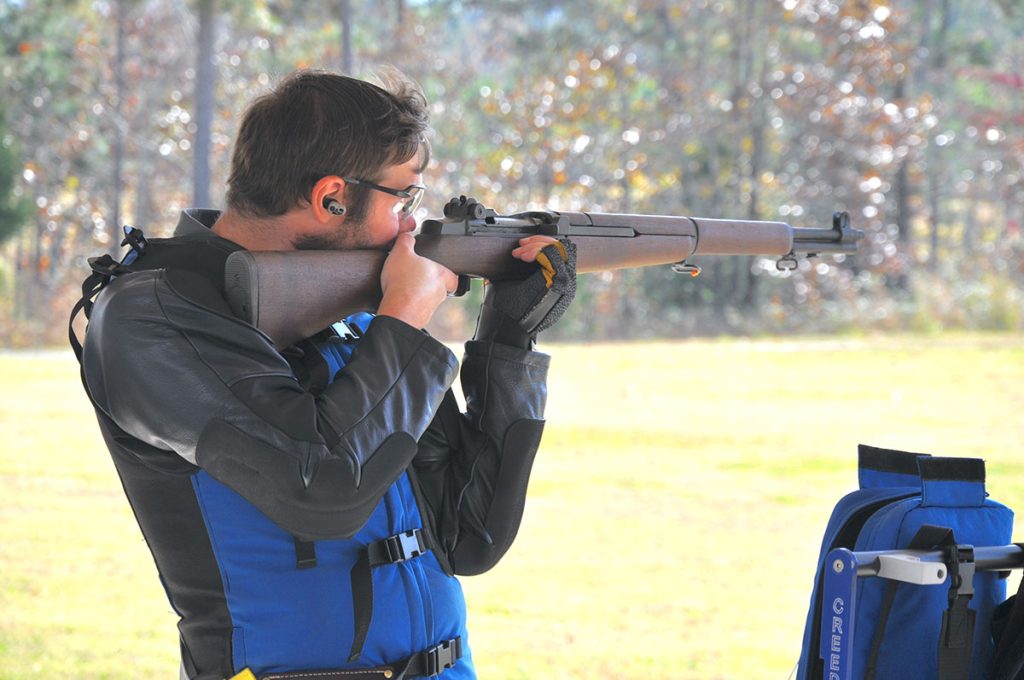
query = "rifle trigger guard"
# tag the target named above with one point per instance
(685, 267)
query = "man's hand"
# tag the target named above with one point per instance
(513, 312)
(413, 286)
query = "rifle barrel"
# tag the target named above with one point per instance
(816, 234)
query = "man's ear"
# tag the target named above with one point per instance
(327, 189)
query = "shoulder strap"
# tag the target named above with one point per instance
(104, 270)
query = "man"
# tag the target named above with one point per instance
(308, 509)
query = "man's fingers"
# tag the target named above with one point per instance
(537, 238)
(530, 246)
(527, 252)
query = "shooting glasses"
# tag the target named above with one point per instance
(411, 196)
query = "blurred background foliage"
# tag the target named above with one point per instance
(907, 113)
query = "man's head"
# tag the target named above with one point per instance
(295, 144)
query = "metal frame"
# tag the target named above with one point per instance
(843, 567)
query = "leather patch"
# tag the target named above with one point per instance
(336, 503)
(522, 440)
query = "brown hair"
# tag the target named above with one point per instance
(315, 124)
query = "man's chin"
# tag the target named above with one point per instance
(315, 243)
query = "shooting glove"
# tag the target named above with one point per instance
(514, 311)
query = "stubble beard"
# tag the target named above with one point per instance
(348, 236)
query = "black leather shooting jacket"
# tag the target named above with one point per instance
(180, 384)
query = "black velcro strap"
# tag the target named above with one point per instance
(952, 469)
(362, 603)
(888, 460)
(956, 639)
(76, 346)
(391, 550)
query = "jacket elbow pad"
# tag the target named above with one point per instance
(333, 498)
(475, 555)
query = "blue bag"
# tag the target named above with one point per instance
(911, 501)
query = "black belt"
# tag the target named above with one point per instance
(428, 664)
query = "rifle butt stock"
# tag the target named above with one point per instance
(290, 295)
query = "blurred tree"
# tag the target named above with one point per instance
(15, 208)
(44, 81)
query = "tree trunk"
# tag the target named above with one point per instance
(35, 287)
(758, 123)
(934, 164)
(904, 236)
(204, 106)
(22, 278)
(902, 182)
(399, 44)
(345, 12)
(119, 131)
(146, 217)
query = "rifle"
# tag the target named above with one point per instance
(290, 295)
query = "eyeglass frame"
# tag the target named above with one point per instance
(413, 197)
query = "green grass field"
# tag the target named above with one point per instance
(674, 518)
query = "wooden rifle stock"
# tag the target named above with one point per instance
(290, 295)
